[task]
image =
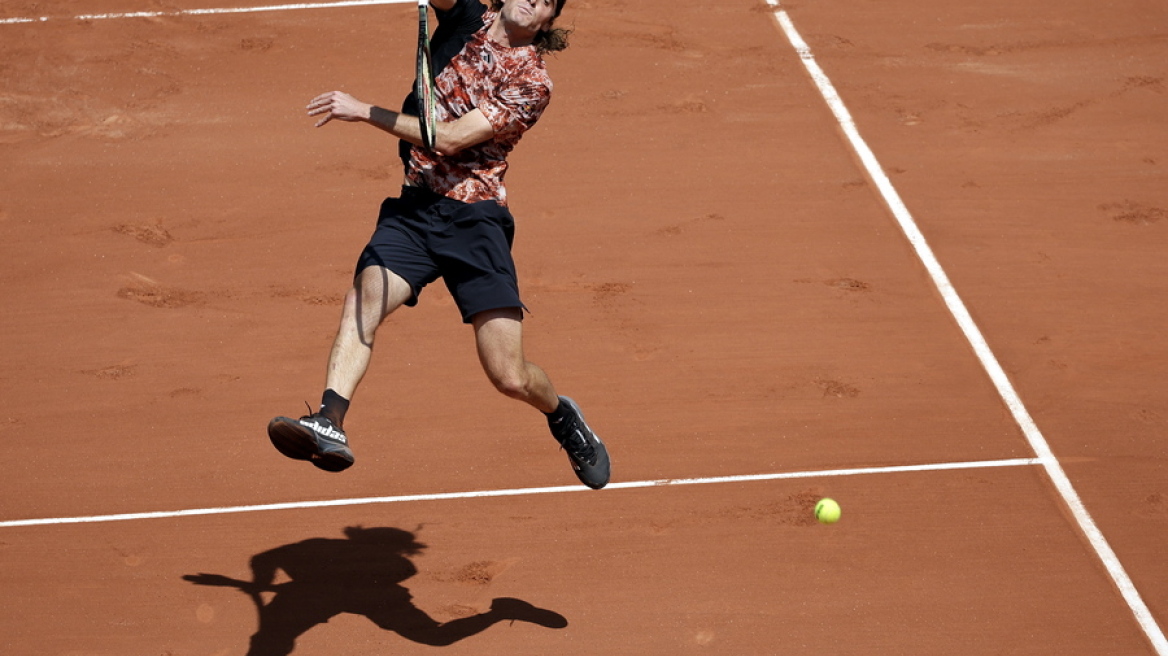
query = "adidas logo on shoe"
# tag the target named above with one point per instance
(325, 430)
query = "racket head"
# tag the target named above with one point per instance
(424, 80)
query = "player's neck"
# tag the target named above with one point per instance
(510, 35)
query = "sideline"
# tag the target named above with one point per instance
(973, 334)
(203, 12)
(666, 482)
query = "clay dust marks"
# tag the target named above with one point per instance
(836, 388)
(1018, 61)
(152, 235)
(308, 296)
(1133, 213)
(682, 227)
(157, 296)
(111, 81)
(478, 573)
(147, 291)
(1064, 43)
(847, 285)
(51, 93)
(112, 372)
(795, 510)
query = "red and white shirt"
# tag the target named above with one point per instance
(511, 87)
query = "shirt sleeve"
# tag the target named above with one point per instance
(516, 106)
(465, 17)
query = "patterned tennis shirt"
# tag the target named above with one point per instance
(511, 87)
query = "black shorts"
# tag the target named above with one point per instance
(423, 236)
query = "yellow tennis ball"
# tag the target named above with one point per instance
(827, 511)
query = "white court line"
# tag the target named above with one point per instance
(972, 333)
(203, 12)
(1017, 462)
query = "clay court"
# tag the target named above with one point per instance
(718, 271)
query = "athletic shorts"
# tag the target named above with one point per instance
(423, 236)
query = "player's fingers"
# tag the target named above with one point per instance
(323, 100)
(325, 107)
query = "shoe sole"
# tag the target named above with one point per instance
(298, 443)
(584, 471)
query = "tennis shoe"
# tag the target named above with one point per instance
(586, 452)
(313, 438)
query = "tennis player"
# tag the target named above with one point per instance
(451, 221)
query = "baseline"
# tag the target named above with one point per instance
(203, 12)
(666, 482)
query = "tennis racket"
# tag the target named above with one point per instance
(424, 82)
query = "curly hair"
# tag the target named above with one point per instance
(553, 39)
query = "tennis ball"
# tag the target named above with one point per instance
(827, 511)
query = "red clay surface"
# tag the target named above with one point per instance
(711, 275)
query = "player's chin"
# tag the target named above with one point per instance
(530, 24)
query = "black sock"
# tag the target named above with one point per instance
(334, 406)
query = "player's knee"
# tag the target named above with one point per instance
(350, 303)
(511, 383)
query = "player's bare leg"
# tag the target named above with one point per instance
(376, 293)
(499, 338)
(320, 437)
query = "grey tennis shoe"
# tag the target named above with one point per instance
(587, 453)
(313, 438)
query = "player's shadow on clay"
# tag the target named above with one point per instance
(360, 574)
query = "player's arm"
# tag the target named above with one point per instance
(468, 130)
(452, 137)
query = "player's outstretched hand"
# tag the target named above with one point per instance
(214, 579)
(338, 105)
(218, 580)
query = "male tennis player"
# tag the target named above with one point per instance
(451, 221)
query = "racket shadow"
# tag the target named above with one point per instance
(360, 574)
